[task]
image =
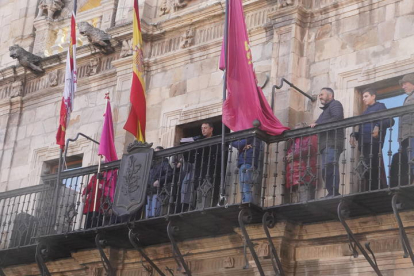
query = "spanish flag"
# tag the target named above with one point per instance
(137, 116)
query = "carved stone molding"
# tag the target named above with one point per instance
(50, 8)
(168, 6)
(126, 49)
(228, 262)
(93, 67)
(263, 250)
(16, 89)
(285, 3)
(53, 78)
(187, 39)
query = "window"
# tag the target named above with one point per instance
(194, 129)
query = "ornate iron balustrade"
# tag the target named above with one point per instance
(187, 178)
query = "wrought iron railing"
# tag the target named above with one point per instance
(305, 164)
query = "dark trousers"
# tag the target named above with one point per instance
(330, 170)
(374, 178)
(93, 219)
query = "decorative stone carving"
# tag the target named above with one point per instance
(53, 78)
(126, 49)
(49, 8)
(93, 67)
(228, 262)
(285, 3)
(96, 37)
(187, 39)
(16, 89)
(26, 59)
(175, 5)
(263, 250)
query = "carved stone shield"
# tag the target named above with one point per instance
(131, 189)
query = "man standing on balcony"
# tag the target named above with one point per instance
(406, 126)
(370, 137)
(202, 177)
(331, 143)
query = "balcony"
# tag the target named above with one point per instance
(285, 175)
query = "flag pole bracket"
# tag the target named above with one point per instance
(269, 221)
(245, 216)
(133, 238)
(42, 251)
(173, 231)
(312, 98)
(405, 242)
(343, 211)
(100, 244)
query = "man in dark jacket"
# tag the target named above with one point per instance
(406, 124)
(331, 143)
(370, 137)
(159, 176)
(247, 162)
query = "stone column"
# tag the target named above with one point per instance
(44, 35)
(109, 8)
(10, 112)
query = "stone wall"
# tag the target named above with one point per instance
(313, 249)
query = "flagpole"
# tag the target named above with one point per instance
(223, 127)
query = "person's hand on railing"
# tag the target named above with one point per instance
(352, 141)
(156, 183)
(313, 125)
(375, 132)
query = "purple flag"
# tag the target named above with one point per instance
(107, 149)
(245, 100)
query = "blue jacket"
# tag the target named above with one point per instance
(246, 156)
(365, 130)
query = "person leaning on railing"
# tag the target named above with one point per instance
(370, 137)
(301, 160)
(406, 124)
(160, 175)
(330, 142)
(247, 162)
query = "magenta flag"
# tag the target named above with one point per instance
(107, 149)
(245, 101)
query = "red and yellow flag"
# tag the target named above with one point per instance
(137, 116)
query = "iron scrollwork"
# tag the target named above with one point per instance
(172, 231)
(342, 211)
(245, 216)
(269, 222)
(105, 261)
(42, 251)
(403, 235)
(134, 241)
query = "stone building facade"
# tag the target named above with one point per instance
(343, 44)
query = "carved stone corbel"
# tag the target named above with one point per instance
(26, 59)
(98, 38)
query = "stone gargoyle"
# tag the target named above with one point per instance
(96, 37)
(26, 59)
(50, 7)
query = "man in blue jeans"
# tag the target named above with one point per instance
(247, 162)
(331, 143)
